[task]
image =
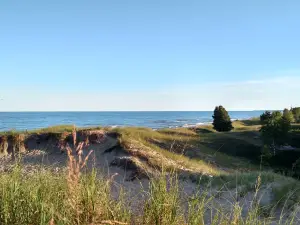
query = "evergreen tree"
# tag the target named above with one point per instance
(288, 115)
(222, 122)
(265, 117)
(275, 129)
(296, 113)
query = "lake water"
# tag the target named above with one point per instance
(34, 120)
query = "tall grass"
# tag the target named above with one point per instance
(163, 202)
(45, 198)
(83, 196)
(49, 198)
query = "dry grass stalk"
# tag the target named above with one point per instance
(18, 144)
(62, 142)
(111, 179)
(51, 222)
(3, 145)
(76, 162)
(113, 222)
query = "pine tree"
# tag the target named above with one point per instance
(222, 122)
(265, 117)
(275, 129)
(288, 115)
(296, 113)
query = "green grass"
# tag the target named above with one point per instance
(296, 126)
(45, 198)
(209, 152)
(169, 145)
(203, 148)
(51, 129)
(214, 152)
(41, 197)
(249, 178)
(200, 147)
(54, 129)
(163, 204)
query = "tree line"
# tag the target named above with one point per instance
(279, 139)
(275, 125)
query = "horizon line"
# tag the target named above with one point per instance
(239, 110)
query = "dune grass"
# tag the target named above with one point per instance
(45, 198)
(82, 196)
(171, 146)
(52, 129)
(191, 148)
(194, 148)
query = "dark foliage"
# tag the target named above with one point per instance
(275, 128)
(222, 122)
(235, 147)
(284, 158)
(288, 115)
(294, 139)
(265, 117)
(296, 113)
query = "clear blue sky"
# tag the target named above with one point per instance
(142, 54)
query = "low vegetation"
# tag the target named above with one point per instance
(181, 176)
(47, 198)
(296, 114)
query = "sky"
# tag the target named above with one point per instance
(149, 55)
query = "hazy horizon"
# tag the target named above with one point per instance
(28, 111)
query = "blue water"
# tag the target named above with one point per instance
(34, 120)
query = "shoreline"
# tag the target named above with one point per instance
(187, 125)
(157, 120)
(66, 127)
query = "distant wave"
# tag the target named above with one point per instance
(189, 125)
(161, 121)
(36, 120)
(195, 125)
(181, 120)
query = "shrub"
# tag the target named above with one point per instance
(296, 113)
(222, 122)
(288, 115)
(275, 128)
(265, 117)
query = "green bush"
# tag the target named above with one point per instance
(265, 117)
(43, 197)
(275, 128)
(296, 113)
(222, 122)
(288, 115)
